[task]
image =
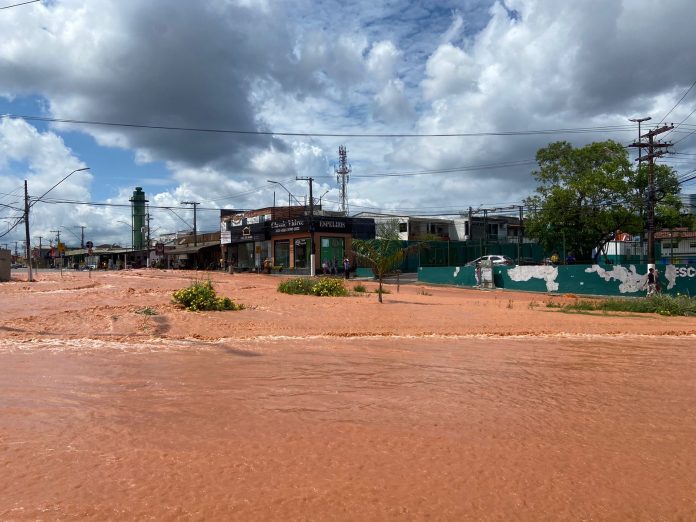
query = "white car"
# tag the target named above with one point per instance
(495, 259)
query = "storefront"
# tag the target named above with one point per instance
(245, 240)
(249, 238)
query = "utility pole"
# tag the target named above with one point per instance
(195, 204)
(82, 236)
(640, 153)
(651, 145)
(342, 176)
(58, 247)
(30, 276)
(519, 238)
(40, 254)
(311, 224)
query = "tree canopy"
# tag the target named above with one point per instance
(586, 195)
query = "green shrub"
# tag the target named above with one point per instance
(299, 285)
(655, 304)
(359, 288)
(329, 287)
(324, 286)
(201, 296)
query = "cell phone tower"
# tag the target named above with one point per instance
(342, 176)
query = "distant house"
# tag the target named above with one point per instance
(678, 246)
(460, 228)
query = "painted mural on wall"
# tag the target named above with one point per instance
(630, 280)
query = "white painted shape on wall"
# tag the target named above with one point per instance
(546, 273)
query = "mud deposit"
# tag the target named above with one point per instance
(441, 404)
(352, 429)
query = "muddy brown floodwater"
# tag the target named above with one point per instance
(429, 407)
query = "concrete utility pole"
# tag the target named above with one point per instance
(195, 204)
(82, 236)
(40, 253)
(651, 145)
(311, 225)
(30, 276)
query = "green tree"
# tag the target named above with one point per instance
(586, 195)
(385, 254)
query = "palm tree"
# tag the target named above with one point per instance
(385, 254)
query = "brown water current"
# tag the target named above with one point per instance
(468, 428)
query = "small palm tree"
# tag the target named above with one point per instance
(385, 254)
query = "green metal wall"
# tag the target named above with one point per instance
(609, 280)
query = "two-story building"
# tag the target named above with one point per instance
(289, 237)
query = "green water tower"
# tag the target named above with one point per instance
(138, 218)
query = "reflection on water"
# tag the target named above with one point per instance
(349, 429)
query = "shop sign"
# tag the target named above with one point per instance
(288, 225)
(332, 225)
(225, 237)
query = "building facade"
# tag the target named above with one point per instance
(288, 237)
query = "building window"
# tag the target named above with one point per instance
(281, 253)
(403, 227)
(332, 250)
(302, 246)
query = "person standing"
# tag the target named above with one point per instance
(346, 268)
(651, 281)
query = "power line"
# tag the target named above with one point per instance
(17, 5)
(579, 130)
(676, 104)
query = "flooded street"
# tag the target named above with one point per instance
(555, 427)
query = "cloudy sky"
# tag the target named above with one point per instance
(434, 101)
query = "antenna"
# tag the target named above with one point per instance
(342, 176)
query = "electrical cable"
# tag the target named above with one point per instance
(579, 130)
(17, 5)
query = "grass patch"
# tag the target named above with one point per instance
(423, 291)
(323, 286)
(359, 289)
(146, 311)
(383, 290)
(681, 305)
(201, 296)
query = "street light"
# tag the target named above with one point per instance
(286, 190)
(129, 226)
(27, 206)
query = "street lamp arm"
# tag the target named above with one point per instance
(54, 186)
(286, 190)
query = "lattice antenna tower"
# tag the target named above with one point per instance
(342, 176)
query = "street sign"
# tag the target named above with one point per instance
(89, 244)
(61, 248)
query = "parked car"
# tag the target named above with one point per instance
(496, 259)
(17, 265)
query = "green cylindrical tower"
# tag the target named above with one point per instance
(138, 218)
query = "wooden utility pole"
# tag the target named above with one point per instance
(655, 150)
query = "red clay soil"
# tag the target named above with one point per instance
(439, 404)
